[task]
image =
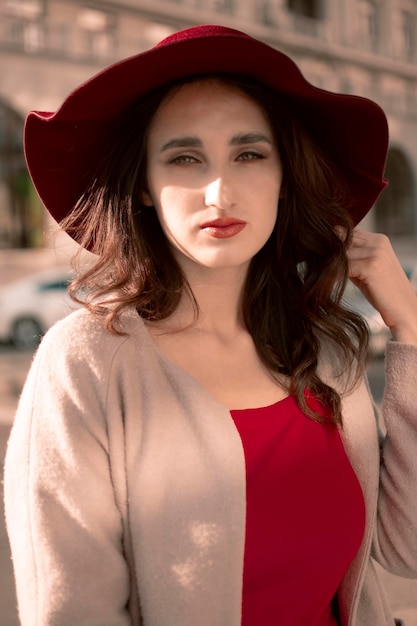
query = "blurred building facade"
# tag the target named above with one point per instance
(367, 47)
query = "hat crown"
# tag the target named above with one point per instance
(198, 32)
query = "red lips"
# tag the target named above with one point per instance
(224, 227)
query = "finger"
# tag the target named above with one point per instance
(365, 238)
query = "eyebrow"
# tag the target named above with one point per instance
(182, 142)
(254, 137)
(195, 142)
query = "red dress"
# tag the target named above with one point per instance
(305, 516)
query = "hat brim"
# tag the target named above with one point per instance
(61, 148)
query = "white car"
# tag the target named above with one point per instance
(411, 272)
(379, 333)
(31, 305)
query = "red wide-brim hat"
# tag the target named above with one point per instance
(62, 148)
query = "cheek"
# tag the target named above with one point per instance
(173, 197)
(270, 208)
(168, 196)
(171, 207)
(270, 200)
(266, 185)
(269, 221)
(178, 201)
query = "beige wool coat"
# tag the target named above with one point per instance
(125, 486)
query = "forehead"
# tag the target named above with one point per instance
(207, 102)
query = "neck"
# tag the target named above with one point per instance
(218, 295)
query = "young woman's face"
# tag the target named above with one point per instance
(213, 174)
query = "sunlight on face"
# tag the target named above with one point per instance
(214, 175)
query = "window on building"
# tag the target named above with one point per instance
(395, 211)
(98, 32)
(25, 9)
(154, 32)
(20, 213)
(221, 6)
(408, 34)
(369, 23)
(265, 12)
(22, 23)
(307, 8)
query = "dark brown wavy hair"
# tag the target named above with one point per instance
(292, 295)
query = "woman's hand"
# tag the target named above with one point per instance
(375, 269)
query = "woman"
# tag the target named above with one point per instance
(198, 444)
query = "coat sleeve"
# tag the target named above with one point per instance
(395, 540)
(63, 519)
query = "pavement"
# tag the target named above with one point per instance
(402, 593)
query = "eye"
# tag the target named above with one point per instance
(184, 159)
(250, 155)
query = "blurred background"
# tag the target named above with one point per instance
(47, 47)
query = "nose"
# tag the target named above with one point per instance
(219, 194)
